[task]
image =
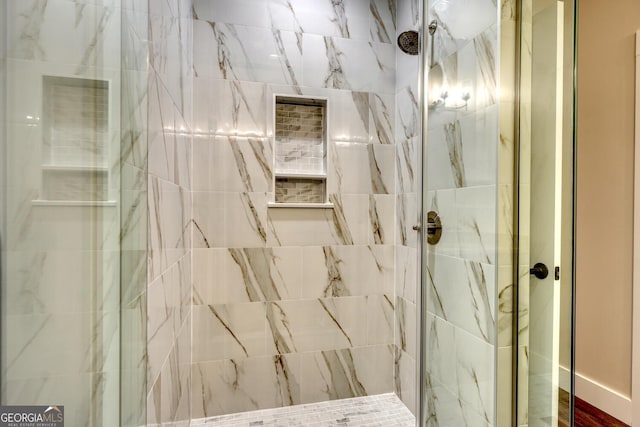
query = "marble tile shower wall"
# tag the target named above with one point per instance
(461, 328)
(170, 113)
(408, 175)
(292, 305)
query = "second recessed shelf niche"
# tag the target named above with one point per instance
(300, 152)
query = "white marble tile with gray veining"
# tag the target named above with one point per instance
(247, 53)
(404, 376)
(230, 164)
(361, 169)
(168, 308)
(459, 22)
(169, 224)
(93, 33)
(381, 219)
(475, 369)
(349, 64)
(407, 172)
(405, 336)
(229, 220)
(170, 157)
(240, 385)
(252, 13)
(319, 324)
(229, 107)
(341, 271)
(346, 373)
(406, 218)
(171, 58)
(336, 18)
(380, 319)
(406, 272)
(442, 360)
(346, 223)
(229, 331)
(383, 17)
(462, 292)
(235, 275)
(382, 118)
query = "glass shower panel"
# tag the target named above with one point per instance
(61, 209)
(461, 186)
(545, 214)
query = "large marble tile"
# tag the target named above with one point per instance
(230, 164)
(229, 220)
(231, 386)
(168, 308)
(349, 115)
(406, 219)
(406, 323)
(340, 271)
(233, 275)
(169, 157)
(230, 107)
(445, 409)
(382, 219)
(169, 224)
(408, 173)
(476, 371)
(348, 64)
(382, 118)
(382, 21)
(408, 117)
(405, 379)
(229, 331)
(244, 12)
(380, 319)
(314, 325)
(361, 169)
(176, 381)
(340, 374)
(463, 293)
(247, 53)
(171, 58)
(406, 271)
(92, 33)
(345, 19)
(346, 223)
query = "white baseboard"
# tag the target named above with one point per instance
(598, 395)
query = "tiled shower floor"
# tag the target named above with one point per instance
(384, 410)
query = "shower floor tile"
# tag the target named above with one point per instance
(384, 410)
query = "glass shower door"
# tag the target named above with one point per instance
(545, 217)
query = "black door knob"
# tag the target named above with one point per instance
(540, 271)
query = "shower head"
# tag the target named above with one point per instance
(409, 43)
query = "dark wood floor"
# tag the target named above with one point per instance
(586, 415)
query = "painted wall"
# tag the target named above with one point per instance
(606, 96)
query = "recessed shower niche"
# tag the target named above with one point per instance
(75, 135)
(300, 152)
